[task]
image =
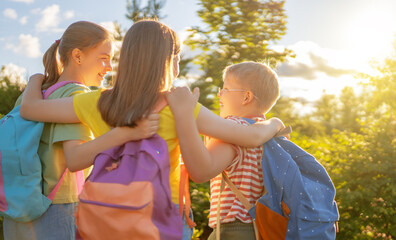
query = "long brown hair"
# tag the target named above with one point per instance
(144, 70)
(82, 35)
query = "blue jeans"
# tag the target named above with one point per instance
(187, 231)
(57, 223)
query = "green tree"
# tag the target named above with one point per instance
(10, 89)
(361, 162)
(350, 111)
(326, 110)
(235, 31)
(152, 10)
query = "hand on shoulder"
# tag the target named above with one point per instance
(145, 128)
(181, 100)
(37, 77)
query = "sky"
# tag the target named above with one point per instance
(333, 39)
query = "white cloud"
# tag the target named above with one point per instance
(23, 1)
(23, 20)
(311, 59)
(315, 70)
(27, 45)
(69, 14)
(50, 19)
(35, 11)
(10, 13)
(14, 73)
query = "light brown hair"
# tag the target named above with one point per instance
(82, 35)
(144, 70)
(257, 77)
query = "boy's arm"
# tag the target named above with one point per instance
(33, 107)
(80, 154)
(201, 164)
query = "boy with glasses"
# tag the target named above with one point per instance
(250, 90)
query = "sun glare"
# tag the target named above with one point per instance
(371, 34)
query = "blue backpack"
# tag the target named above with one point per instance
(21, 194)
(299, 195)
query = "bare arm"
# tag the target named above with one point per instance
(203, 163)
(214, 126)
(197, 158)
(33, 107)
(80, 155)
(247, 136)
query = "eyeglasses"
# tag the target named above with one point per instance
(220, 91)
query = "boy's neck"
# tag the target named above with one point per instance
(250, 113)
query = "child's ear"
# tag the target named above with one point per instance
(248, 97)
(76, 55)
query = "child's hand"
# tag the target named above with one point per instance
(181, 100)
(145, 128)
(285, 132)
(282, 130)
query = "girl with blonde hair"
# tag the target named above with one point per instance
(85, 50)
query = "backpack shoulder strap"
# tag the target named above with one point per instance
(54, 87)
(80, 182)
(250, 121)
(236, 191)
(239, 195)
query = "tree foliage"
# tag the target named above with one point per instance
(353, 136)
(152, 10)
(235, 31)
(10, 89)
(358, 148)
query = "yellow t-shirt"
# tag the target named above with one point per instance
(85, 106)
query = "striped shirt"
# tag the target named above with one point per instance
(245, 173)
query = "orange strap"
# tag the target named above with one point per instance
(184, 195)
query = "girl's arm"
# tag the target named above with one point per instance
(80, 154)
(214, 126)
(33, 107)
(204, 163)
(253, 135)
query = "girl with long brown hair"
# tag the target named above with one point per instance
(149, 62)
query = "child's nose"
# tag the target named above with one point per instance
(109, 67)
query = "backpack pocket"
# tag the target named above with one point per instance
(266, 217)
(316, 223)
(312, 230)
(110, 211)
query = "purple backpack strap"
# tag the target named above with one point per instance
(79, 174)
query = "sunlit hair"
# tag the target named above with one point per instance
(144, 70)
(81, 35)
(259, 79)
